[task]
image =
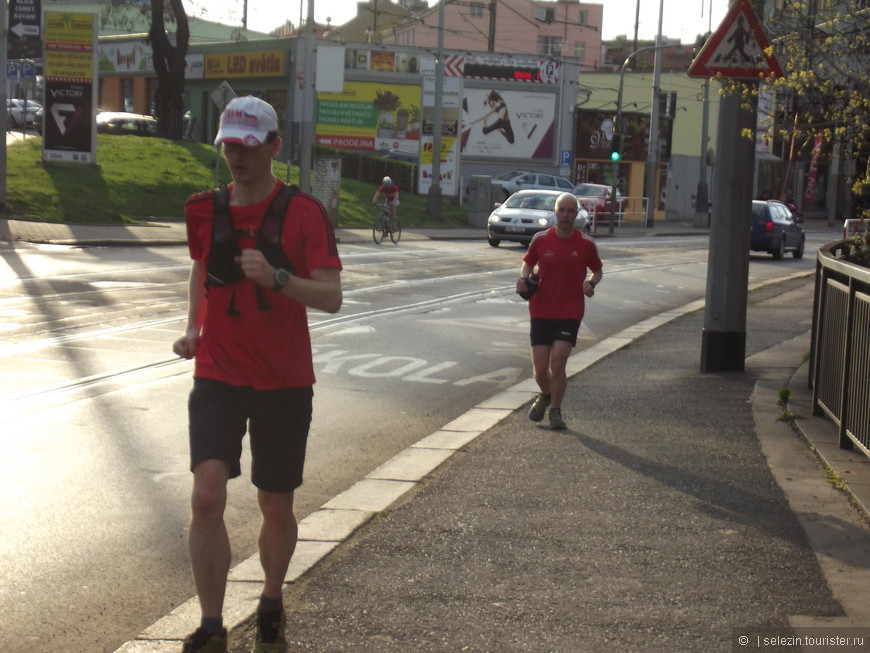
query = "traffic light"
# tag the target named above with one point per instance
(616, 148)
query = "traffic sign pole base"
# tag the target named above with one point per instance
(723, 351)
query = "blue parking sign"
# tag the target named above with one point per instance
(566, 159)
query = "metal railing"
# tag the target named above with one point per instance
(839, 370)
(632, 212)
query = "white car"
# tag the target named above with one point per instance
(524, 214)
(19, 115)
(511, 182)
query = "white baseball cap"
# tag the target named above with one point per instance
(246, 120)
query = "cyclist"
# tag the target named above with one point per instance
(390, 190)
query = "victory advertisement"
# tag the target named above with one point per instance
(70, 76)
(508, 124)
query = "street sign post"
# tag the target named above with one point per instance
(221, 97)
(24, 37)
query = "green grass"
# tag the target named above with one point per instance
(139, 179)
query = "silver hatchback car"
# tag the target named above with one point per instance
(524, 214)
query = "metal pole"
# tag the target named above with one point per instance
(652, 163)
(702, 202)
(4, 41)
(618, 125)
(434, 196)
(702, 196)
(618, 130)
(308, 102)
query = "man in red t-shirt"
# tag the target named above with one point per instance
(562, 256)
(248, 331)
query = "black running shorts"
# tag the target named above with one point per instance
(220, 415)
(545, 331)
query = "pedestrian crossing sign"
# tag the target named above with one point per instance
(738, 49)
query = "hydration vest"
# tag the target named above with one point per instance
(222, 269)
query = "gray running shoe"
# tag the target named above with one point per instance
(201, 641)
(539, 407)
(270, 632)
(556, 421)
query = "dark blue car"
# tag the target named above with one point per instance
(775, 230)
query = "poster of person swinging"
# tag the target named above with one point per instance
(508, 124)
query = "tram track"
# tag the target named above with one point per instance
(357, 300)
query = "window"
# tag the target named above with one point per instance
(476, 10)
(580, 49)
(583, 17)
(545, 14)
(550, 46)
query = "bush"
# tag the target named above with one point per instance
(370, 168)
(857, 247)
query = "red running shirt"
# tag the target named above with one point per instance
(262, 349)
(563, 264)
(391, 194)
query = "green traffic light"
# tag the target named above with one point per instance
(615, 156)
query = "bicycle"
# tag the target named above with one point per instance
(385, 224)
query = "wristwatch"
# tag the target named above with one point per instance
(282, 277)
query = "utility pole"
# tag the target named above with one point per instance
(723, 339)
(491, 40)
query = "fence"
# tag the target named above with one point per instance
(840, 354)
(631, 211)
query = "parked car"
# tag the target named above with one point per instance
(121, 123)
(595, 198)
(524, 214)
(775, 230)
(20, 115)
(38, 119)
(511, 182)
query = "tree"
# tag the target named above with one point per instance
(169, 65)
(168, 53)
(825, 53)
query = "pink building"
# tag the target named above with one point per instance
(566, 28)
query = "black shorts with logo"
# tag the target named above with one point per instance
(545, 331)
(278, 422)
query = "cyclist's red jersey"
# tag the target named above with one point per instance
(390, 194)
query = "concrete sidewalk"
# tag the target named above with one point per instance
(676, 513)
(174, 233)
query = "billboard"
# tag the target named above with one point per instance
(70, 68)
(508, 124)
(450, 101)
(136, 56)
(370, 116)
